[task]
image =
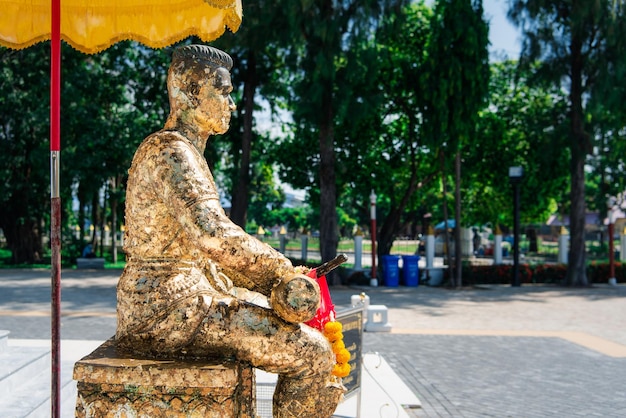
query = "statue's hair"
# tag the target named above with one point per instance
(202, 54)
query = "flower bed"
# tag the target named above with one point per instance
(540, 273)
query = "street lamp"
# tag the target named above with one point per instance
(611, 205)
(373, 280)
(515, 176)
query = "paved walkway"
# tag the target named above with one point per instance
(499, 351)
(532, 351)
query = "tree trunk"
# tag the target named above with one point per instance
(458, 253)
(240, 195)
(328, 189)
(103, 220)
(576, 268)
(81, 215)
(23, 237)
(95, 222)
(444, 185)
(391, 225)
(114, 202)
(114, 230)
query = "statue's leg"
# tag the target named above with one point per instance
(311, 397)
(301, 355)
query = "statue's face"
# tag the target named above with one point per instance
(214, 102)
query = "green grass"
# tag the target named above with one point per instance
(345, 245)
(118, 265)
(5, 262)
(596, 251)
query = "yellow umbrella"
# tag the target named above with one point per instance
(92, 26)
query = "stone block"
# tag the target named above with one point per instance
(377, 319)
(90, 263)
(112, 384)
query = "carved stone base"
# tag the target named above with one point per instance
(111, 384)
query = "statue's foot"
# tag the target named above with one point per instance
(330, 397)
(307, 398)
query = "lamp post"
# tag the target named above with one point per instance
(515, 176)
(373, 280)
(611, 213)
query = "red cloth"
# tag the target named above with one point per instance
(326, 312)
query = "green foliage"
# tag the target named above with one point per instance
(258, 75)
(383, 139)
(608, 177)
(375, 89)
(457, 77)
(458, 71)
(578, 45)
(265, 197)
(109, 103)
(524, 125)
(24, 160)
(295, 219)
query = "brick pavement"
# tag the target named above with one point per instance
(505, 376)
(533, 351)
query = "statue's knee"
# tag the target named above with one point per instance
(320, 350)
(296, 299)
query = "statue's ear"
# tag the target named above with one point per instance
(193, 89)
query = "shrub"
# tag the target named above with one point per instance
(549, 273)
(599, 272)
(540, 273)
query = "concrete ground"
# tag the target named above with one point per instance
(532, 351)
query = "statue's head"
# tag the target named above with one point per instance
(199, 88)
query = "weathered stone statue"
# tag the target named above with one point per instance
(191, 273)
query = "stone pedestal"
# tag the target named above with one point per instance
(377, 319)
(111, 384)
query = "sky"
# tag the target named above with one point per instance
(503, 35)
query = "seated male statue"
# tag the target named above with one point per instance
(190, 271)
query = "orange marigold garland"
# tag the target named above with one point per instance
(332, 331)
(324, 321)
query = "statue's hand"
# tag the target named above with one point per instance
(296, 298)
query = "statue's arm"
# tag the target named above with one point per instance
(192, 197)
(243, 257)
(255, 265)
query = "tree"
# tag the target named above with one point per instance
(524, 125)
(257, 61)
(328, 30)
(457, 76)
(110, 102)
(400, 162)
(570, 41)
(608, 118)
(24, 133)
(265, 196)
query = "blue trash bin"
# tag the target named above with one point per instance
(410, 270)
(391, 270)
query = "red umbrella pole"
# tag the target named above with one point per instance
(55, 203)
